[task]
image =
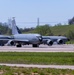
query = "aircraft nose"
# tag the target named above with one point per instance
(40, 39)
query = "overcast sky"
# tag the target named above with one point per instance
(26, 12)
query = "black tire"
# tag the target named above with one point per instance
(19, 45)
(1, 44)
(35, 45)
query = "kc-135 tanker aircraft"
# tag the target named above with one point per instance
(49, 40)
(34, 39)
(21, 39)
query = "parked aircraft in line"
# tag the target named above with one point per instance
(22, 39)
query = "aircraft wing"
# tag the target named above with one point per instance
(4, 39)
(15, 40)
(55, 38)
(20, 40)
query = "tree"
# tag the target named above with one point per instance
(43, 30)
(4, 29)
(71, 21)
(70, 35)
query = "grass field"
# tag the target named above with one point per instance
(5, 70)
(37, 58)
(62, 29)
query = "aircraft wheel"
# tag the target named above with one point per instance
(19, 45)
(1, 44)
(35, 45)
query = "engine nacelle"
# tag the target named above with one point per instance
(49, 42)
(60, 41)
(10, 43)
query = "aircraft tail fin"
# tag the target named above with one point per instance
(14, 28)
(19, 31)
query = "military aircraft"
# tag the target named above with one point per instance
(22, 39)
(50, 40)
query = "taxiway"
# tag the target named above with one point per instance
(41, 48)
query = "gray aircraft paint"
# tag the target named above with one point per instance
(14, 29)
(24, 38)
(56, 39)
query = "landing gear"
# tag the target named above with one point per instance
(18, 45)
(35, 45)
(1, 44)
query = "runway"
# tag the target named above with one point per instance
(41, 48)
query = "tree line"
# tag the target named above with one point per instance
(4, 29)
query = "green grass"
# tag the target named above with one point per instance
(70, 42)
(62, 29)
(37, 58)
(5, 70)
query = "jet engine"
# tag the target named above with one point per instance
(60, 41)
(10, 43)
(49, 42)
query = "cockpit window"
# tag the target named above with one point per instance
(39, 37)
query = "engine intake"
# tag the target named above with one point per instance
(60, 41)
(10, 43)
(49, 42)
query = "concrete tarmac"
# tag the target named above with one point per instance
(41, 48)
